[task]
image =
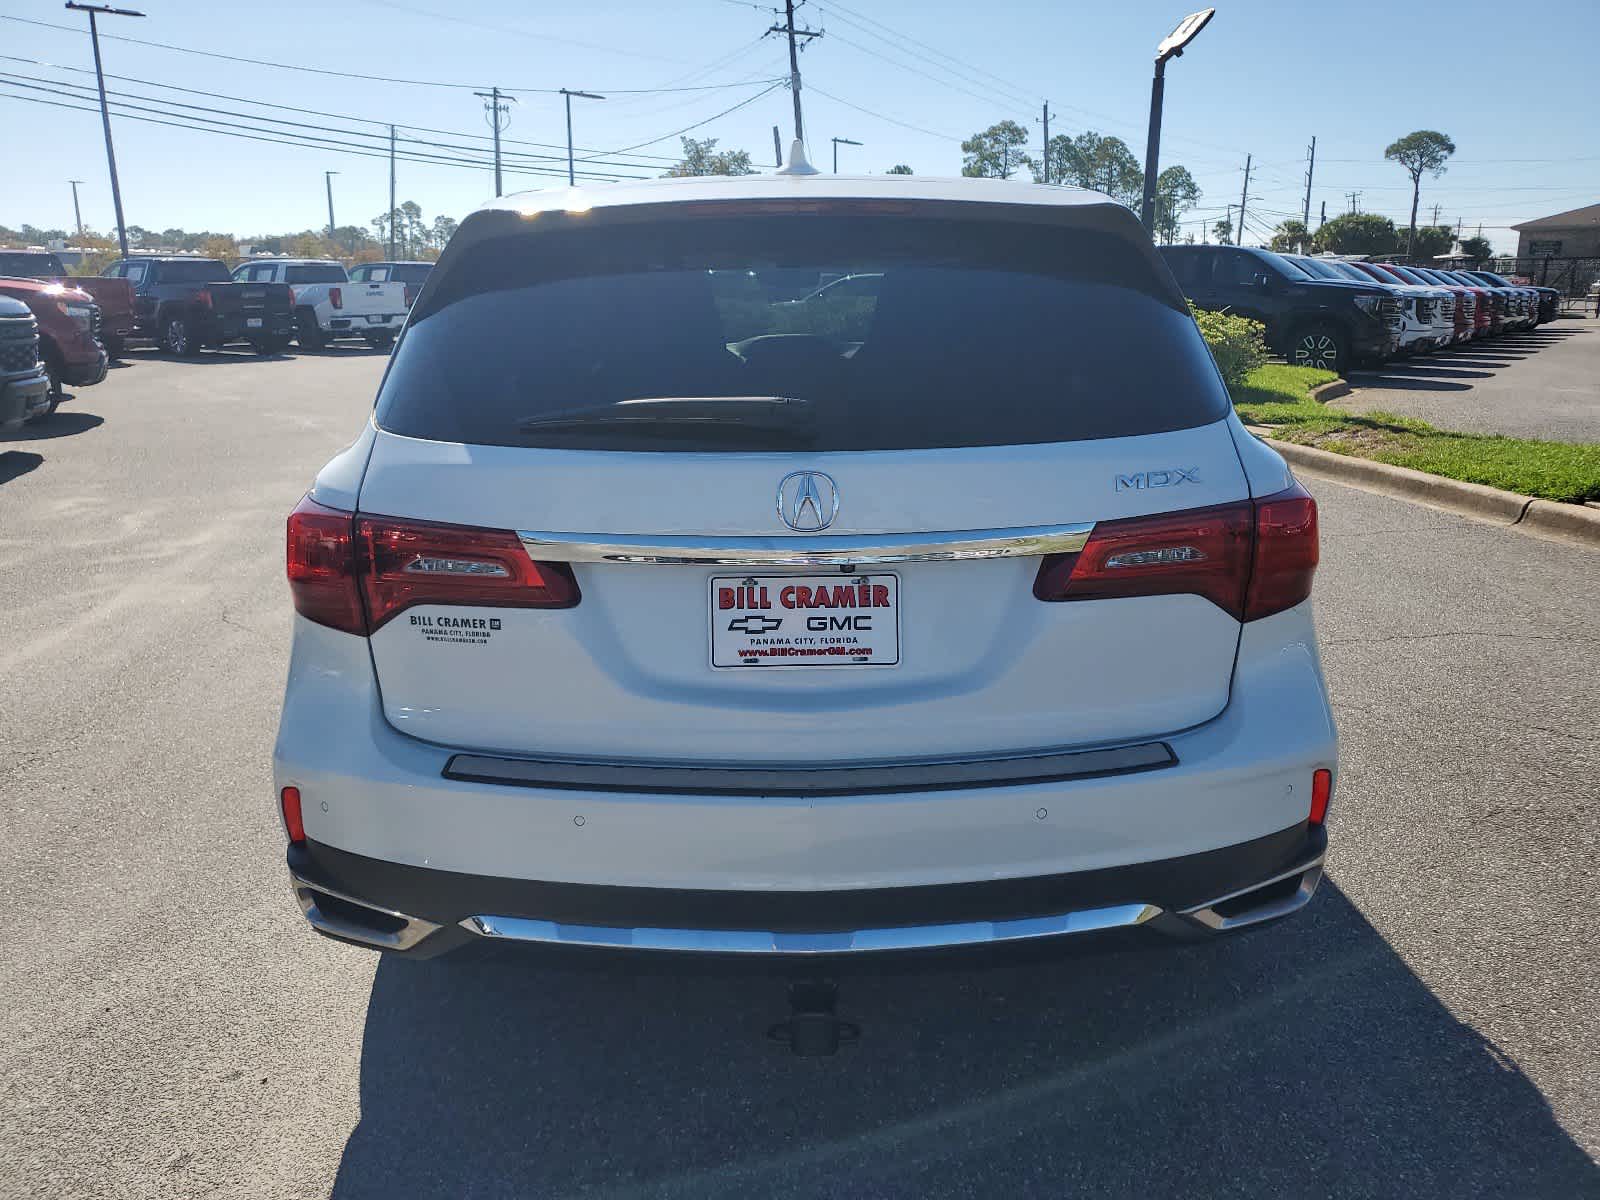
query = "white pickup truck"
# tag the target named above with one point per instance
(327, 305)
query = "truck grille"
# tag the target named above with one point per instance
(1447, 309)
(1391, 313)
(1425, 306)
(19, 344)
(1469, 309)
(96, 320)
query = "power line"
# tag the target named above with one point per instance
(314, 112)
(262, 62)
(772, 87)
(883, 117)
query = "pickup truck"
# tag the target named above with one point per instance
(327, 305)
(412, 274)
(68, 320)
(114, 296)
(24, 386)
(187, 304)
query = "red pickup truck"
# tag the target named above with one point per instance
(67, 318)
(114, 296)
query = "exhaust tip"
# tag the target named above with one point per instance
(340, 916)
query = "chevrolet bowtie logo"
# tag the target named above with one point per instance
(754, 623)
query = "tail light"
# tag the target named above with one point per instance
(1251, 559)
(294, 297)
(203, 296)
(336, 297)
(355, 573)
(410, 295)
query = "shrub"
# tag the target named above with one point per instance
(1237, 343)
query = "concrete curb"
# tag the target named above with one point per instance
(1545, 518)
(1324, 392)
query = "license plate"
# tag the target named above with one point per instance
(377, 320)
(805, 620)
(252, 322)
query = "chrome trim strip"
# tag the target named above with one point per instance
(1310, 874)
(752, 941)
(807, 550)
(865, 779)
(414, 931)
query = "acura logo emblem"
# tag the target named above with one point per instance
(808, 501)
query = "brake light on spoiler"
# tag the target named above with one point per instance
(1251, 559)
(354, 572)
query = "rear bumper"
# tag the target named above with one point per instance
(237, 327)
(416, 910)
(353, 325)
(390, 827)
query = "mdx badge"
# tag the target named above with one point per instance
(808, 501)
(1157, 479)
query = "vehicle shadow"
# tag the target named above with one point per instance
(62, 423)
(1297, 1059)
(218, 356)
(15, 463)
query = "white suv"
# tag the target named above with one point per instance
(674, 601)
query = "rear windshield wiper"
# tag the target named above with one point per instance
(783, 413)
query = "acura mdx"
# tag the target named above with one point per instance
(654, 610)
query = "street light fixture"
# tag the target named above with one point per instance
(837, 142)
(572, 176)
(1172, 46)
(327, 178)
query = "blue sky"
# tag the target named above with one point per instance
(1263, 78)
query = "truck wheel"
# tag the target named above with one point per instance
(114, 345)
(177, 338)
(1320, 346)
(308, 333)
(379, 341)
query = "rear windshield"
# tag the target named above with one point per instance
(200, 271)
(891, 332)
(30, 266)
(410, 272)
(316, 273)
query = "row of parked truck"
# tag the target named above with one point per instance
(59, 331)
(1329, 312)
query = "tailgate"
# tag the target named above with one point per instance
(251, 299)
(372, 299)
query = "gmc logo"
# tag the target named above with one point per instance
(1157, 479)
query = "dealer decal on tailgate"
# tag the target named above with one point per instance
(805, 621)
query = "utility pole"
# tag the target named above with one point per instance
(1305, 212)
(493, 108)
(777, 148)
(327, 178)
(788, 29)
(837, 142)
(1435, 214)
(1323, 219)
(105, 111)
(1045, 157)
(572, 179)
(1355, 201)
(1243, 196)
(77, 214)
(391, 193)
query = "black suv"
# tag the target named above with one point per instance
(1312, 322)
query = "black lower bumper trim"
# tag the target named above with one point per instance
(447, 897)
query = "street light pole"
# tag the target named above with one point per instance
(105, 111)
(327, 178)
(1171, 46)
(837, 142)
(77, 213)
(572, 177)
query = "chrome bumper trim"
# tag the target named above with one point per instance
(412, 932)
(807, 550)
(749, 941)
(1310, 874)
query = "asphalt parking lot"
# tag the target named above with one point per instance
(1430, 1026)
(1542, 383)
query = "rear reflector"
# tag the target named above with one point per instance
(1321, 792)
(1251, 558)
(293, 824)
(354, 573)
